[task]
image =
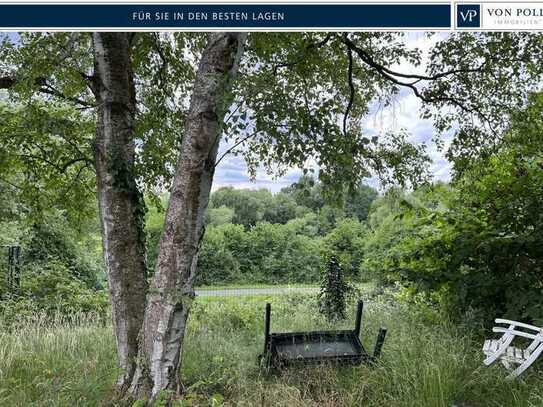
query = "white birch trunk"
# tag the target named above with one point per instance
(172, 290)
(120, 202)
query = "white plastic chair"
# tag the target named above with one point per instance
(510, 356)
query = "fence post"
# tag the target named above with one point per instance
(358, 321)
(17, 267)
(267, 327)
(379, 343)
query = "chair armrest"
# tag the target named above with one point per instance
(519, 324)
(515, 332)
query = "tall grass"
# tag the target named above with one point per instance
(425, 362)
(56, 362)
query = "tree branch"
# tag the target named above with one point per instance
(7, 82)
(366, 57)
(164, 66)
(391, 76)
(71, 162)
(303, 54)
(351, 88)
(50, 90)
(61, 168)
(234, 146)
(75, 179)
(11, 184)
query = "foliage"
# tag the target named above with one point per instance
(219, 216)
(46, 158)
(478, 246)
(282, 208)
(252, 206)
(306, 192)
(389, 228)
(291, 97)
(267, 253)
(53, 241)
(293, 111)
(334, 292)
(346, 242)
(154, 222)
(358, 202)
(308, 225)
(248, 205)
(69, 363)
(221, 255)
(284, 112)
(473, 246)
(353, 203)
(51, 290)
(260, 237)
(60, 267)
(56, 69)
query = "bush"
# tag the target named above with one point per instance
(218, 261)
(267, 253)
(52, 291)
(54, 240)
(335, 292)
(346, 242)
(476, 248)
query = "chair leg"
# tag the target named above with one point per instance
(519, 370)
(506, 364)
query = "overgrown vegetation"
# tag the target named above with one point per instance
(426, 361)
(475, 246)
(461, 250)
(253, 236)
(334, 292)
(60, 267)
(468, 247)
(455, 255)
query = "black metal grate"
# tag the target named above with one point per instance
(314, 347)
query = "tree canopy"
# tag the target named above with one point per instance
(298, 96)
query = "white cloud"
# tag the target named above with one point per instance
(403, 113)
(232, 171)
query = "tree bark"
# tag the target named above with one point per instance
(172, 292)
(120, 202)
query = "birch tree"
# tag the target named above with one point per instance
(120, 201)
(172, 290)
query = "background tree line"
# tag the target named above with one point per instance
(468, 246)
(254, 236)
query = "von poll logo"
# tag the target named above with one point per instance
(468, 15)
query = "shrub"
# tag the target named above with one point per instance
(346, 242)
(335, 292)
(52, 290)
(267, 253)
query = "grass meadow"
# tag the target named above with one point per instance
(426, 361)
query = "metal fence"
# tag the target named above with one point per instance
(10, 268)
(258, 290)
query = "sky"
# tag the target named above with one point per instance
(403, 114)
